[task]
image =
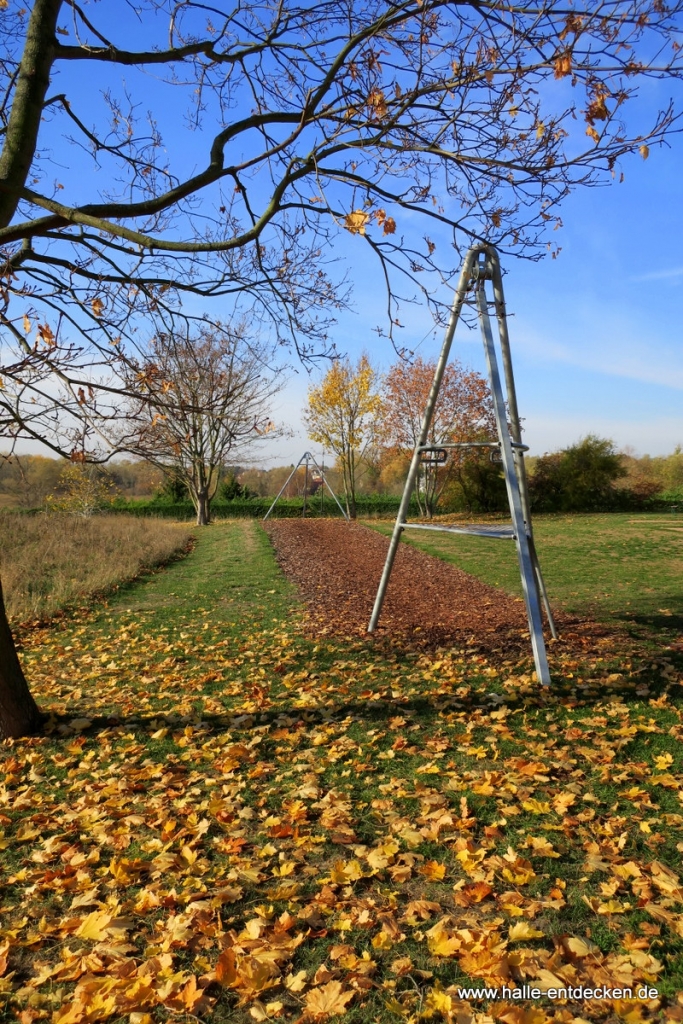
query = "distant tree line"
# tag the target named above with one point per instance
(371, 422)
(589, 476)
(593, 476)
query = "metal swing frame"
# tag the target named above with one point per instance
(306, 458)
(482, 264)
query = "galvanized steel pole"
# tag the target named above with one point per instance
(460, 293)
(516, 429)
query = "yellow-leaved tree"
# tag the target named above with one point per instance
(343, 415)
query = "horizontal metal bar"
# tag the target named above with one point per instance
(502, 532)
(470, 444)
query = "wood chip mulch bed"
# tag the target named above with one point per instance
(336, 567)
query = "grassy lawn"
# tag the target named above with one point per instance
(612, 566)
(229, 819)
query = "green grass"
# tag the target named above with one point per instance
(233, 574)
(610, 566)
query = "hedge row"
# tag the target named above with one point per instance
(286, 508)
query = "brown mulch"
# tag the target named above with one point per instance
(336, 567)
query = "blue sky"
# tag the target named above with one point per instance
(596, 333)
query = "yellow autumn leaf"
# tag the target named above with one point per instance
(377, 104)
(378, 859)
(226, 972)
(343, 872)
(577, 946)
(296, 982)
(563, 65)
(612, 907)
(441, 942)
(563, 801)
(541, 846)
(411, 837)
(531, 1015)
(522, 930)
(256, 975)
(355, 222)
(97, 306)
(400, 872)
(434, 871)
(402, 965)
(519, 876)
(438, 1002)
(99, 1006)
(94, 926)
(627, 870)
(536, 806)
(545, 979)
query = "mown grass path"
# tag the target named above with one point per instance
(233, 820)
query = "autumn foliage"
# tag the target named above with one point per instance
(343, 416)
(463, 413)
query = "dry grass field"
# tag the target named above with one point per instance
(50, 561)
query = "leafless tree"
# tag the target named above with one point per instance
(307, 120)
(197, 402)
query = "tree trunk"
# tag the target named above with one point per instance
(203, 509)
(350, 486)
(19, 714)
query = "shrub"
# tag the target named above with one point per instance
(580, 478)
(81, 490)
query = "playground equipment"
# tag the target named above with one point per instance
(482, 264)
(308, 459)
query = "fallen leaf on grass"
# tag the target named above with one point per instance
(327, 1001)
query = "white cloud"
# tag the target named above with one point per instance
(660, 275)
(607, 346)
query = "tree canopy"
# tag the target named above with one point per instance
(463, 413)
(304, 121)
(197, 401)
(578, 478)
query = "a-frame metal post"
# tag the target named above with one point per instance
(308, 459)
(482, 263)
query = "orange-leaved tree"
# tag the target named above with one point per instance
(343, 414)
(463, 413)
